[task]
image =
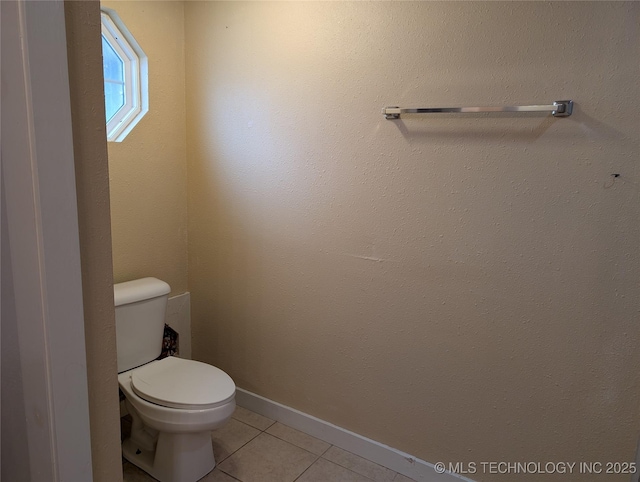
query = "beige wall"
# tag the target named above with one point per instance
(148, 169)
(92, 189)
(460, 287)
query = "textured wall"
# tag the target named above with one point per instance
(92, 189)
(460, 287)
(148, 169)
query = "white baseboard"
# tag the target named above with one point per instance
(393, 459)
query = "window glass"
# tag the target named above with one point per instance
(113, 65)
(113, 98)
(114, 89)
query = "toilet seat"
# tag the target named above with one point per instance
(184, 384)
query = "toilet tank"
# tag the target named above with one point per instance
(140, 308)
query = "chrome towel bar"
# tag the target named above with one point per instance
(560, 108)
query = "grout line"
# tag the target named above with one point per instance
(297, 446)
(273, 422)
(225, 473)
(231, 453)
(311, 465)
(292, 444)
(359, 457)
(304, 433)
(326, 450)
(345, 468)
(229, 475)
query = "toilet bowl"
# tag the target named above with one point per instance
(174, 403)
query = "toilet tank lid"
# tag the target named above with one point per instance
(138, 290)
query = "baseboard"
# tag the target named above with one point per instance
(393, 459)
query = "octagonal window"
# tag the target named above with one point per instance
(125, 77)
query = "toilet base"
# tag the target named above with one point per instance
(178, 457)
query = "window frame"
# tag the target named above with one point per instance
(135, 76)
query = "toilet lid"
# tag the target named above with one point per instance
(178, 383)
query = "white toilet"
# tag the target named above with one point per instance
(174, 403)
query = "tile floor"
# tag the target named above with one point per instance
(252, 448)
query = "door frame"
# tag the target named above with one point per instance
(38, 180)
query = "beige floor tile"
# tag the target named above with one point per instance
(325, 471)
(131, 473)
(362, 466)
(252, 418)
(299, 439)
(217, 476)
(230, 437)
(402, 478)
(268, 459)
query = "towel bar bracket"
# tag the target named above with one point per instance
(565, 108)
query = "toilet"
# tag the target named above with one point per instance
(174, 403)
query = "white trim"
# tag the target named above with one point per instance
(178, 317)
(39, 181)
(384, 455)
